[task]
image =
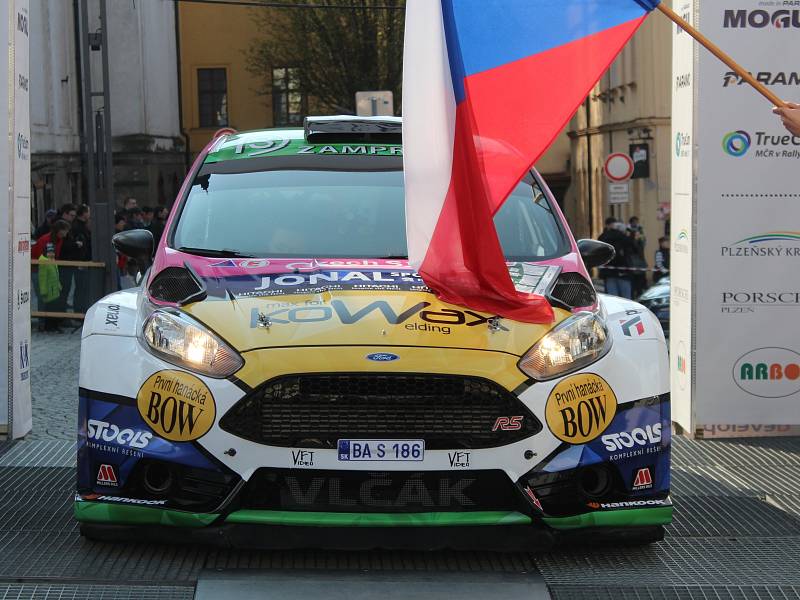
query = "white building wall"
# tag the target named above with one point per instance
(144, 81)
(53, 80)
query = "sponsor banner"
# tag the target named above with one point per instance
(743, 431)
(238, 147)
(734, 359)
(258, 278)
(15, 411)
(681, 209)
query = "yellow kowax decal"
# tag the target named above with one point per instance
(362, 317)
(580, 407)
(261, 365)
(177, 405)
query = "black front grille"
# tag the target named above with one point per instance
(176, 284)
(314, 411)
(390, 491)
(572, 290)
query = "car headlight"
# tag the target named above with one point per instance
(575, 343)
(182, 341)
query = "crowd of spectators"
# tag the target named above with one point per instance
(627, 273)
(65, 235)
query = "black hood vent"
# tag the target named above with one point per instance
(571, 290)
(177, 284)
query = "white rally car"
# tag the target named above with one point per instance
(282, 377)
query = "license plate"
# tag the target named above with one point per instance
(381, 450)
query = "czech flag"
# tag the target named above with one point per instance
(487, 86)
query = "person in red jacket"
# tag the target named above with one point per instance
(58, 231)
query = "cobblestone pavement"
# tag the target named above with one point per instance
(54, 384)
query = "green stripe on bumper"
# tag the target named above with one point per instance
(122, 514)
(101, 512)
(635, 517)
(325, 519)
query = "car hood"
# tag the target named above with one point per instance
(259, 303)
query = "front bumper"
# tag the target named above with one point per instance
(353, 531)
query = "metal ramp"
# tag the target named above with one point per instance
(736, 535)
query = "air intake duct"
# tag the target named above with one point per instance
(179, 285)
(571, 290)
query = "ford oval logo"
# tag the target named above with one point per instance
(768, 372)
(382, 357)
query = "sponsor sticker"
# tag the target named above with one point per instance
(633, 327)
(459, 459)
(303, 458)
(642, 479)
(104, 431)
(580, 407)
(106, 476)
(177, 405)
(121, 500)
(626, 504)
(637, 437)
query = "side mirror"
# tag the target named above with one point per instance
(595, 253)
(136, 244)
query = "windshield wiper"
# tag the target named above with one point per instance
(224, 253)
(393, 257)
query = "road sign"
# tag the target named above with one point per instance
(618, 167)
(619, 193)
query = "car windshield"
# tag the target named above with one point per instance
(336, 214)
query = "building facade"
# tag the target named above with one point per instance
(628, 111)
(148, 148)
(217, 89)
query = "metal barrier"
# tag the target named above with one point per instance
(82, 284)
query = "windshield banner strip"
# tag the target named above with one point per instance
(233, 151)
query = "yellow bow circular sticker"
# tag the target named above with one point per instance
(579, 408)
(176, 405)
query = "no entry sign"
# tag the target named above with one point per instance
(618, 167)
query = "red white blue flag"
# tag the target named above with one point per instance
(487, 86)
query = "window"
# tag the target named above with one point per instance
(212, 95)
(288, 101)
(337, 214)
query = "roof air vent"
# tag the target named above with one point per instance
(347, 129)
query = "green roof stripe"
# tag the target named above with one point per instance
(238, 147)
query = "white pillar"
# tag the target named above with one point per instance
(15, 225)
(735, 341)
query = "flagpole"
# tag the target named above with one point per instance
(716, 51)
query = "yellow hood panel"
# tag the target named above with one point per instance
(263, 365)
(363, 318)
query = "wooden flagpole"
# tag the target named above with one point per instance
(716, 51)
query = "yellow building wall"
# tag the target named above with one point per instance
(219, 36)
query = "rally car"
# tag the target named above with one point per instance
(282, 377)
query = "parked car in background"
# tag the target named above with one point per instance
(656, 298)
